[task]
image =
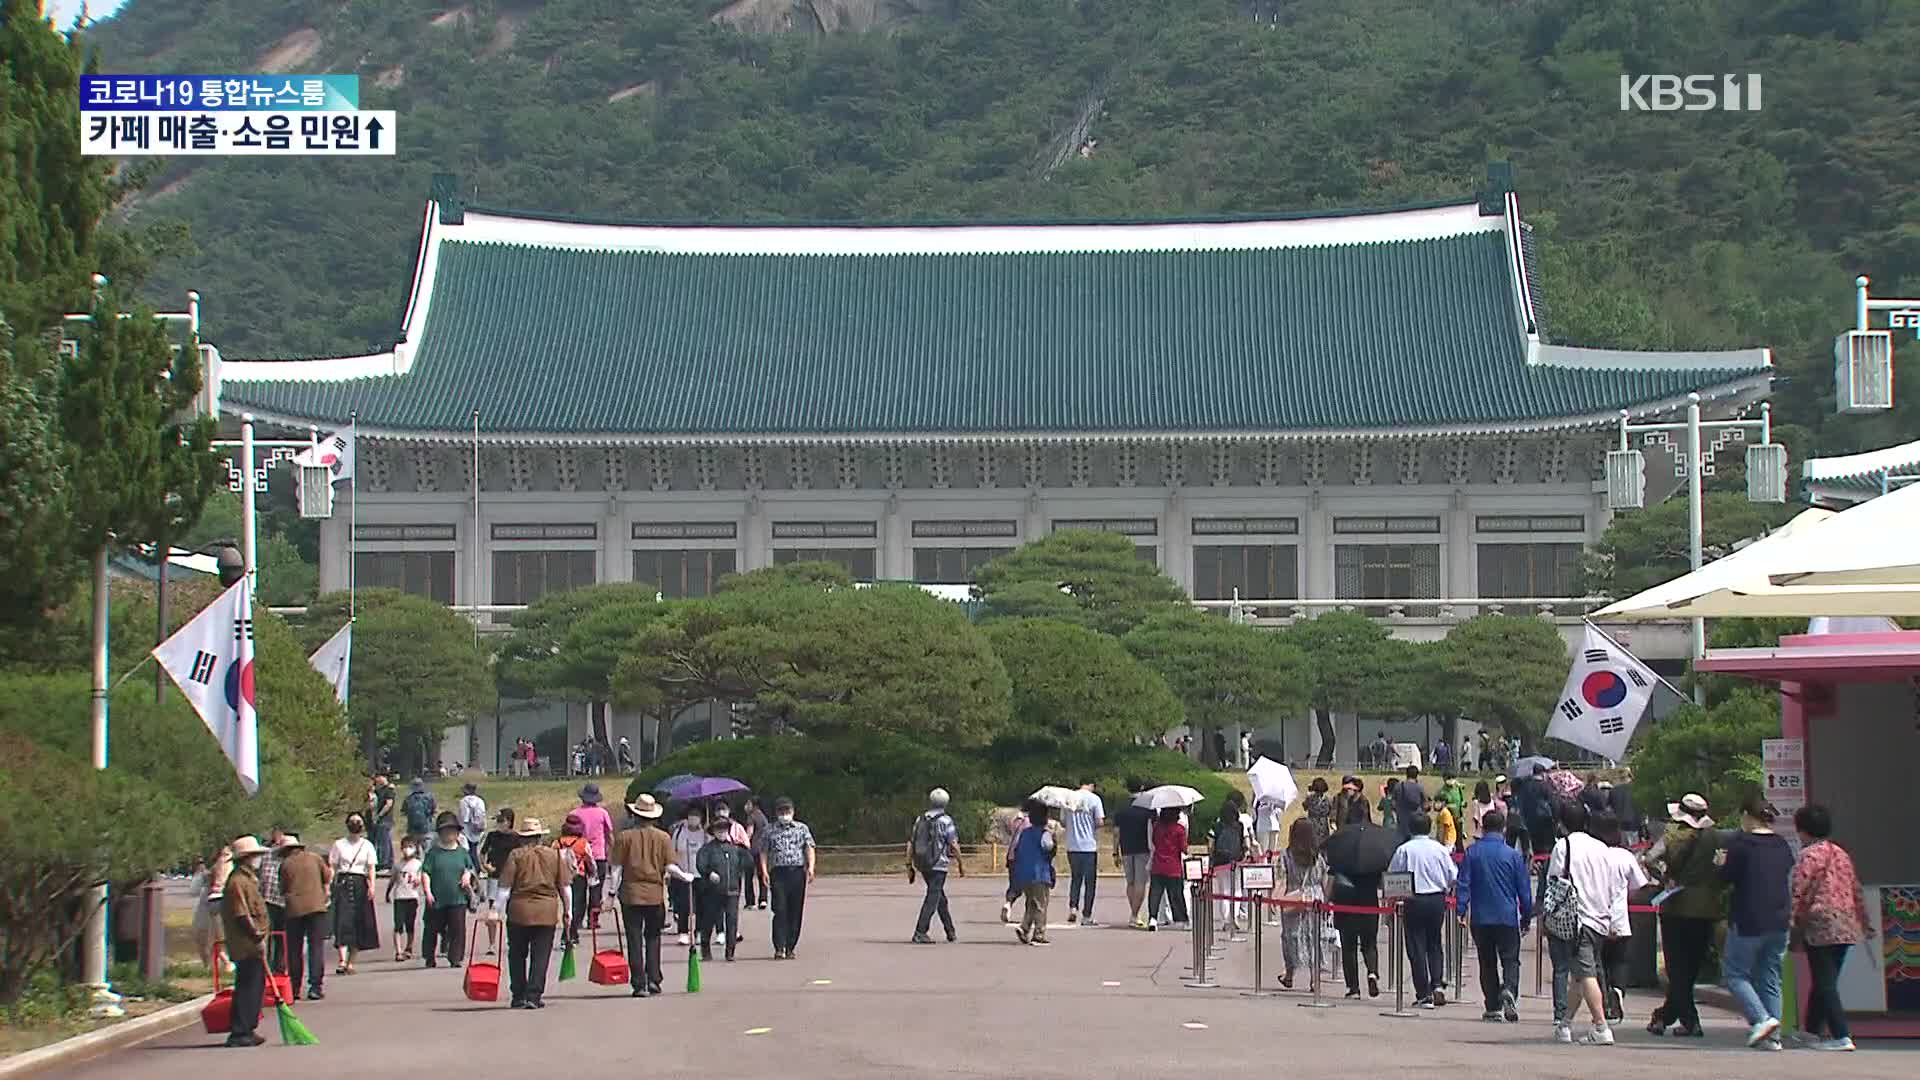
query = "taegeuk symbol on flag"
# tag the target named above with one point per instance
(335, 453)
(211, 660)
(1607, 693)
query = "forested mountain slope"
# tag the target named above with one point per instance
(1693, 229)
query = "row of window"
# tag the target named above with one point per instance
(1255, 571)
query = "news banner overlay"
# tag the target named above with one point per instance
(207, 115)
(362, 133)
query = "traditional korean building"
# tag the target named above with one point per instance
(1851, 479)
(1357, 406)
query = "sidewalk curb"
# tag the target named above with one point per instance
(119, 1036)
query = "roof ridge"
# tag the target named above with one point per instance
(956, 223)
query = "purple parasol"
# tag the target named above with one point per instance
(707, 787)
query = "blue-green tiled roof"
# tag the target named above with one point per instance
(1378, 336)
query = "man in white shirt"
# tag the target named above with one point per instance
(1083, 821)
(1602, 888)
(473, 820)
(1425, 913)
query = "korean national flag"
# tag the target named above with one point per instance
(335, 453)
(331, 661)
(1607, 693)
(211, 660)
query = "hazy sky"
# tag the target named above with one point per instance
(63, 11)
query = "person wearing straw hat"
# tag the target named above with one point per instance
(1682, 860)
(536, 891)
(243, 914)
(642, 860)
(304, 879)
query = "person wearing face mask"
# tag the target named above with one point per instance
(243, 914)
(353, 861)
(688, 836)
(786, 861)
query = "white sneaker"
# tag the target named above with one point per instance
(1562, 1033)
(1762, 1031)
(1600, 1036)
(1843, 1045)
(684, 939)
(1006, 912)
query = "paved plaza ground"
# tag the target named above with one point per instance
(862, 1002)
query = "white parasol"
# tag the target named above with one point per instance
(1166, 795)
(1061, 798)
(1272, 783)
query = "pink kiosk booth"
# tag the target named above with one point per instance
(1850, 739)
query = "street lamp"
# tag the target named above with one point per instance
(1766, 477)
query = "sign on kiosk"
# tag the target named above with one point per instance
(1196, 869)
(1396, 885)
(1785, 761)
(1255, 877)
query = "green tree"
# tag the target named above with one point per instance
(889, 658)
(1714, 751)
(286, 578)
(36, 563)
(781, 576)
(1093, 579)
(1225, 675)
(1344, 652)
(532, 658)
(50, 860)
(416, 671)
(51, 196)
(1415, 680)
(1643, 548)
(1507, 672)
(1075, 684)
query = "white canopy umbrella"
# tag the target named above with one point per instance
(1272, 782)
(1062, 798)
(1797, 601)
(1746, 568)
(1870, 544)
(1168, 795)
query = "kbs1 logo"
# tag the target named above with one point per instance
(1689, 93)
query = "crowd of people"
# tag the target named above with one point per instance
(1496, 860)
(274, 906)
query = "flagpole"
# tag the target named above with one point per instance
(248, 536)
(353, 514)
(474, 588)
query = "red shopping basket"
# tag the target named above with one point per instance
(482, 982)
(217, 1015)
(609, 967)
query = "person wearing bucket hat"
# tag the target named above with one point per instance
(642, 860)
(536, 889)
(1682, 859)
(598, 825)
(243, 913)
(304, 879)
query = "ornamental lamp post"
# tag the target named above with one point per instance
(1766, 477)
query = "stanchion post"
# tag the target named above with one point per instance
(1395, 935)
(1314, 927)
(1460, 935)
(1259, 965)
(1202, 938)
(1539, 954)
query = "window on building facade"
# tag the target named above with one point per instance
(522, 577)
(1147, 553)
(1386, 571)
(683, 573)
(1259, 571)
(951, 566)
(1541, 570)
(418, 573)
(859, 562)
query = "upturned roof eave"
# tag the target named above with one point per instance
(1748, 386)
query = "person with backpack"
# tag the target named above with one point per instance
(934, 847)
(473, 819)
(419, 809)
(1033, 873)
(574, 849)
(1682, 860)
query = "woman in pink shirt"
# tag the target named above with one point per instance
(1829, 917)
(599, 826)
